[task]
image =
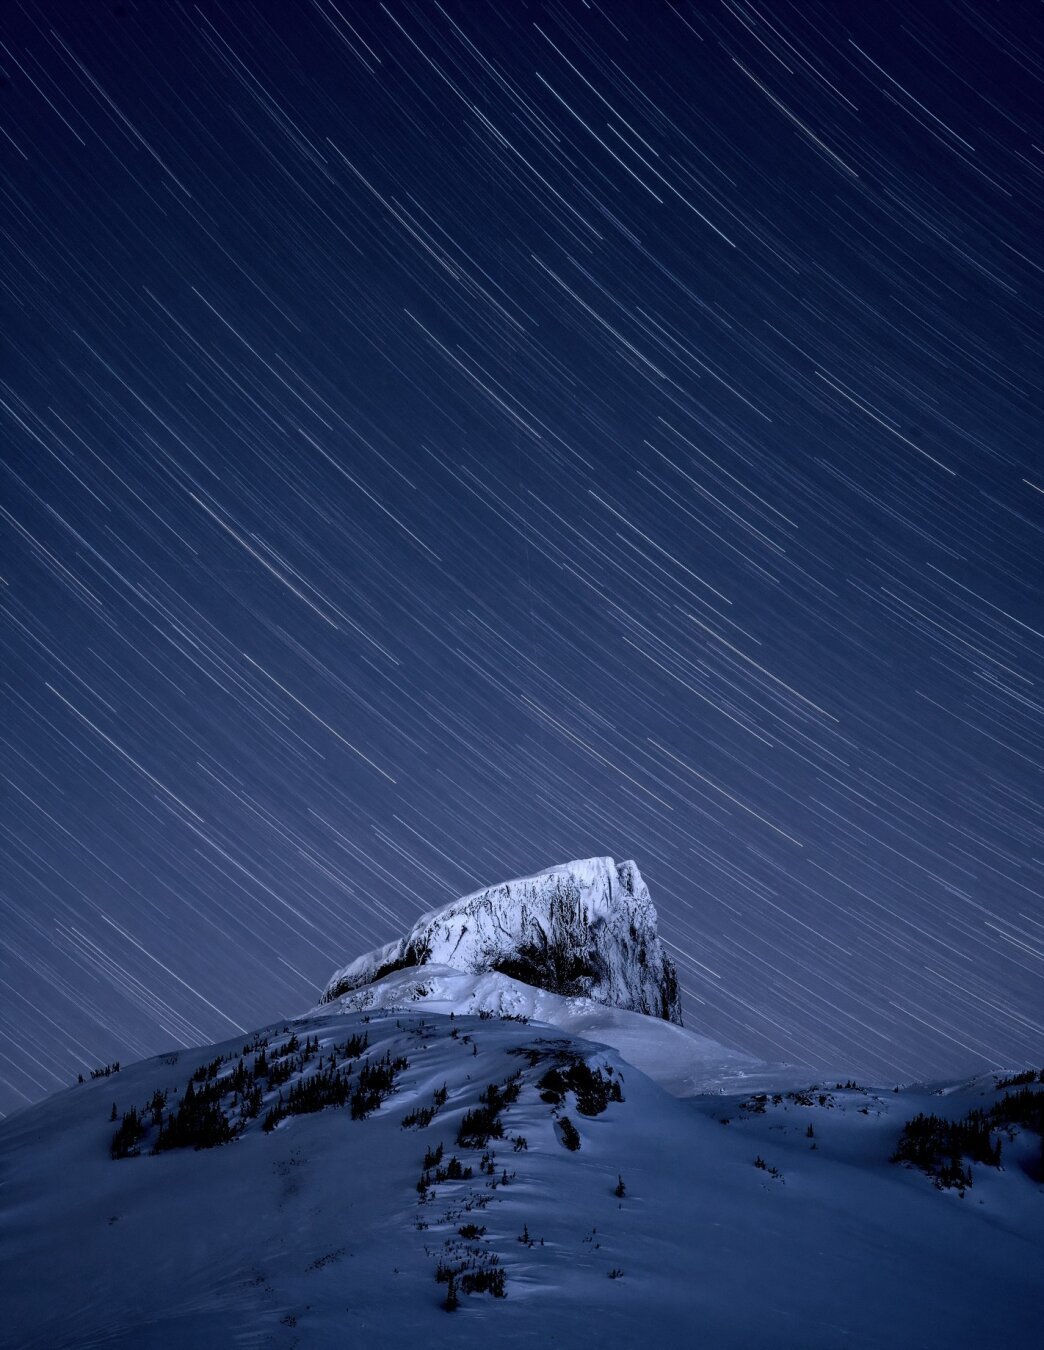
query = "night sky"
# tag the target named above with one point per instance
(441, 440)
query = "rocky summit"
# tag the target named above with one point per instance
(584, 929)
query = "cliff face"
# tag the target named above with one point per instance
(583, 929)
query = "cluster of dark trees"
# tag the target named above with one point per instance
(199, 1122)
(376, 1082)
(594, 1089)
(434, 1173)
(483, 1123)
(422, 1116)
(128, 1135)
(333, 1086)
(569, 1133)
(480, 1274)
(206, 1113)
(946, 1148)
(1017, 1079)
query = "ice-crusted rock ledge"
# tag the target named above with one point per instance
(582, 929)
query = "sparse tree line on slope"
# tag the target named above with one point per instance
(467, 1267)
(216, 1106)
(945, 1149)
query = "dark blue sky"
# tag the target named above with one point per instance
(441, 440)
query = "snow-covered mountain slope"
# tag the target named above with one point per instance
(679, 1060)
(583, 928)
(444, 1154)
(518, 1160)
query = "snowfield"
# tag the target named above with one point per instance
(315, 1234)
(579, 1175)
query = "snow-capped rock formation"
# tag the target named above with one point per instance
(583, 929)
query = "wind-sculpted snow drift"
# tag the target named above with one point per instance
(583, 929)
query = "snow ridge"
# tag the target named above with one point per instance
(584, 929)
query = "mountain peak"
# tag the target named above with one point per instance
(582, 929)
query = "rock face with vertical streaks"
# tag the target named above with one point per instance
(582, 929)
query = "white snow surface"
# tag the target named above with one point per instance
(315, 1236)
(678, 1059)
(585, 927)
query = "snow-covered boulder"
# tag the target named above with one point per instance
(583, 929)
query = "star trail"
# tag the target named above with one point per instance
(441, 440)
